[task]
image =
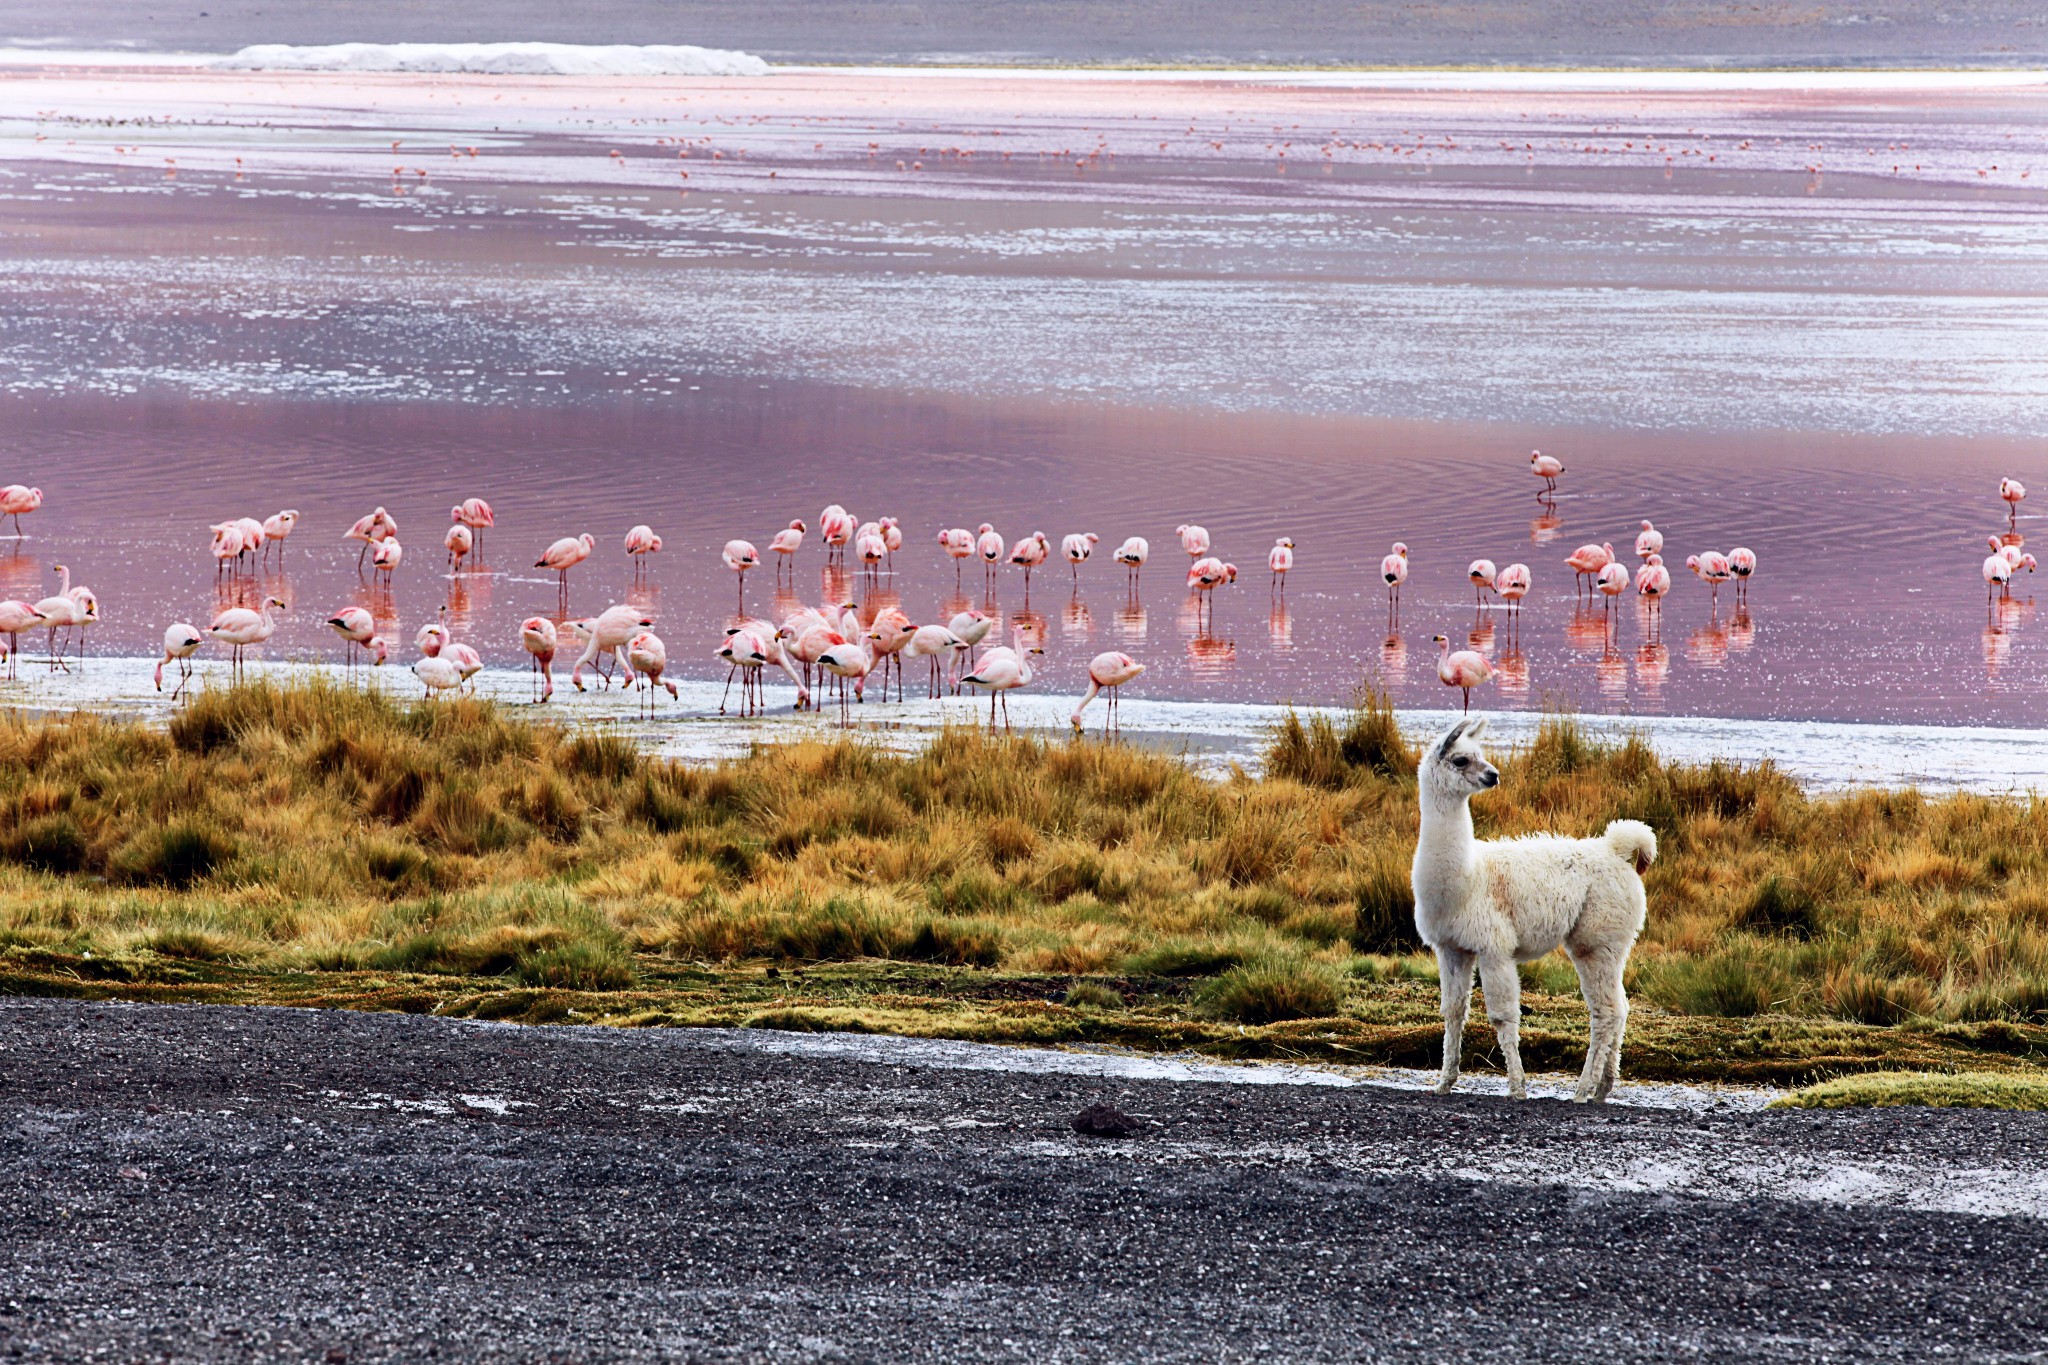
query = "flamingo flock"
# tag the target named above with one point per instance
(830, 653)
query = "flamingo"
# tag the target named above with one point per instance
(16, 499)
(227, 548)
(1280, 559)
(1481, 572)
(1107, 673)
(1030, 552)
(739, 556)
(377, 526)
(277, 527)
(641, 542)
(747, 652)
(1464, 669)
(1742, 563)
(957, 542)
(1132, 554)
(852, 657)
(988, 543)
(1586, 562)
(835, 528)
(564, 555)
(181, 642)
(89, 614)
(63, 611)
(806, 635)
(1193, 539)
(936, 643)
(609, 632)
(972, 627)
(1997, 574)
(358, 628)
(888, 635)
(1394, 569)
(437, 674)
(1546, 468)
(2012, 490)
(1002, 671)
(1207, 575)
(240, 627)
(475, 514)
(786, 543)
(1513, 585)
(892, 539)
(539, 636)
(385, 556)
(871, 549)
(1653, 580)
(253, 537)
(648, 657)
(1649, 541)
(1077, 548)
(1613, 582)
(459, 541)
(1713, 569)
(16, 616)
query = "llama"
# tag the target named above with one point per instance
(1497, 903)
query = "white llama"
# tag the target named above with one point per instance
(1505, 901)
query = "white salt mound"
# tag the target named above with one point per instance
(504, 59)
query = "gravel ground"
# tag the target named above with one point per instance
(191, 1183)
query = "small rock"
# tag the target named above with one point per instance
(1099, 1120)
(133, 1173)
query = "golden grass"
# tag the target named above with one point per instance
(322, 839)
(1879, 1089)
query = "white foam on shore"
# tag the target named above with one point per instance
(499, 59)
(1573, 80)
(1213, 737)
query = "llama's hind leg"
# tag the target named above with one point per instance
(1503, 987)
(1454, 977)
(1607, 1019)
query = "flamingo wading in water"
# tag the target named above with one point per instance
(1464, 669)
(564, 555)
(1107, 673)
(181, 642)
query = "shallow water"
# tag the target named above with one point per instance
(1832, 369)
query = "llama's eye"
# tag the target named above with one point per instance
(1459, 762)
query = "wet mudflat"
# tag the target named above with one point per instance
(217, 1184)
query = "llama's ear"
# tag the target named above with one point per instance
(1443, 747)
(1477, 728)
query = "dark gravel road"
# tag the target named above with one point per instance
(220, 1184)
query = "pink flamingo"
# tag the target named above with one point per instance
(972, 627)
(871, 549)
(1649, 541)
(892, 539)
(786, 543)
(1207, 575)
(278, 527)
(181, 642)
(239, 627)
(835, 528)
(253, 538)
(608, 633)
(957, 542)
(61, 612)
(1586, 562)
(1997, 574)
(227, 548)
(641, 542)
(378, 526)
(1132, 554)
(1279, 560)
(1742, 563)
(988, 543)
(937, 644)
(1394, 569)
(459, 541)
(890, 633)
(740, 556)
(477, 515)
(1612, 582)
(1546, 468)
(852, 658)
(648, 658)
(2012, 490)
(1077, 548)
(1002, 671)
(1193, 539)
(358, 630)
(564, 555)
(1465, 669)
(1653, 581)
(1481, 572)
(385, 557)
(746, 650)
(1712, 568)
(16, 616)
(1107, 673)
(541, 639)
(16, 500)
(1030, 552)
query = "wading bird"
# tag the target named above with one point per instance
(564, 555)
(1464, 669)
(239, 628)
(1546, 468)
(1002, 671)
(1107, 673)
(181, 642)
(540, 638)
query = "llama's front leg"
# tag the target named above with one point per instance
(1503, 987)
(1454, 977)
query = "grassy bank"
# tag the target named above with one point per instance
(318, 845)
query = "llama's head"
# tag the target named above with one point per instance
(1454, 768)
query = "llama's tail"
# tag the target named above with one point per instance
(1633, 842)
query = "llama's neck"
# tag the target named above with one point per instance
(1446, 838)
